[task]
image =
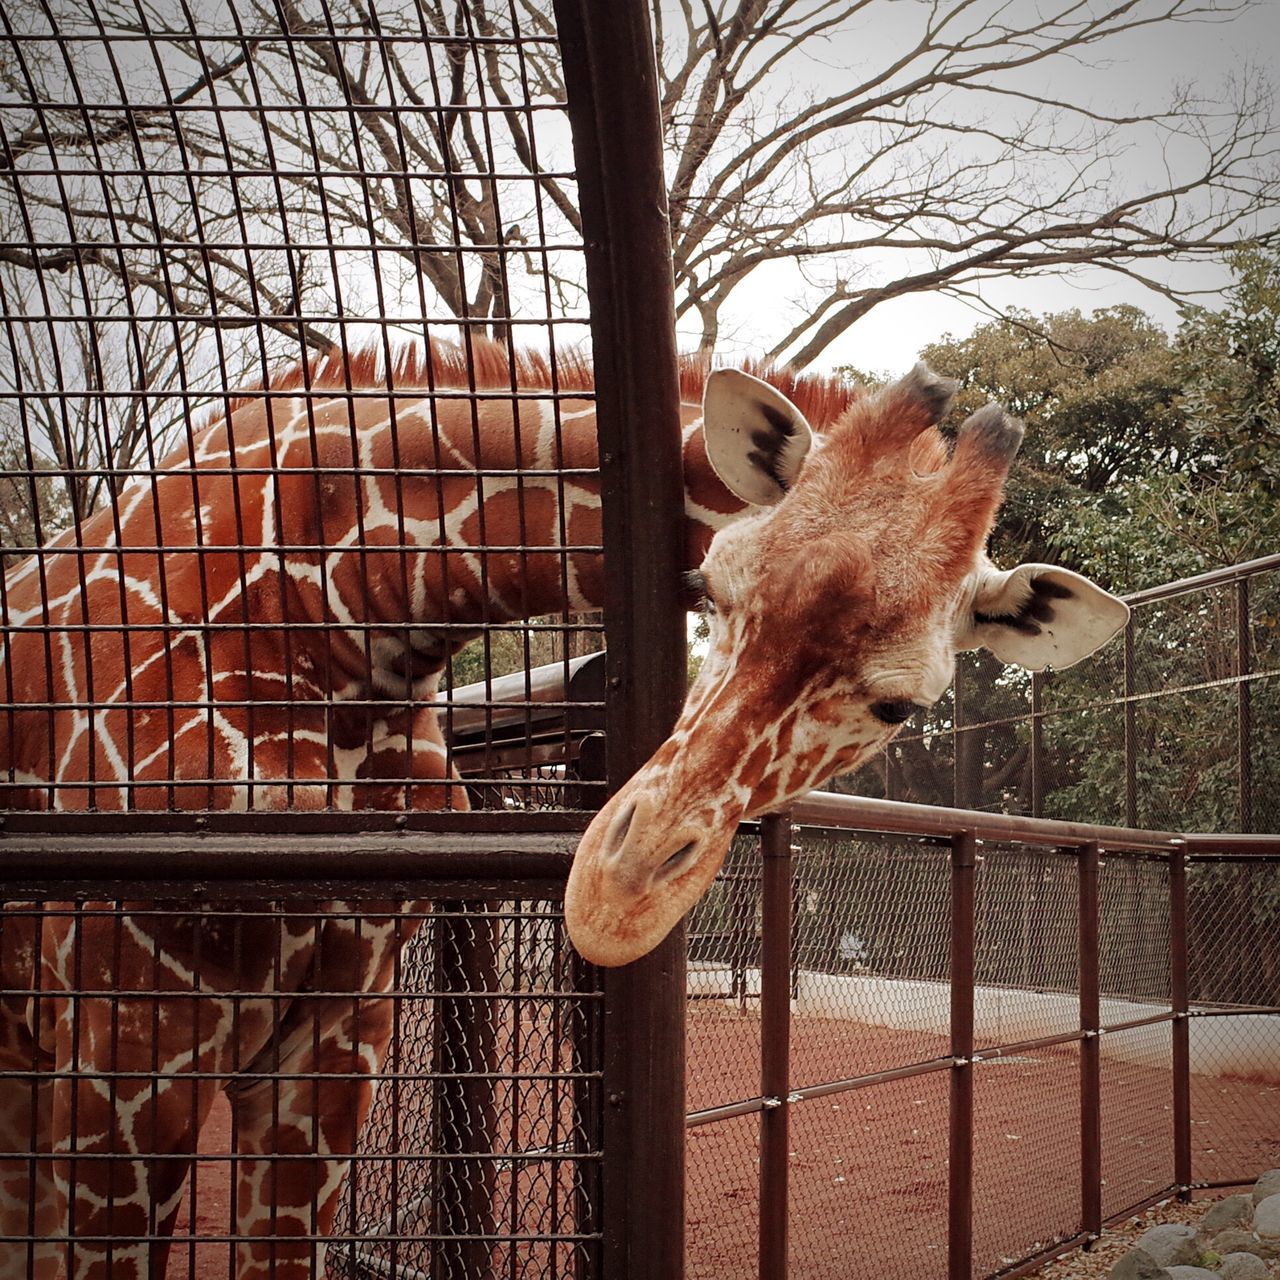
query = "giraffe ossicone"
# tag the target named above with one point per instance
(836, 609)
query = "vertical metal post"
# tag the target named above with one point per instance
(1130, 731)
(775, 1045)
(1090, 1065)
(960, 1128)
(1244, 709)
(1181, 1032)
(1037, 744)
(959, 798)
(611, 83)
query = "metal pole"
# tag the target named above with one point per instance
(1130, 732)
(1037, 744)
(1244, 709)
(960, 1135)
(1178, 989)
(775, 1045)
(1090, 1066)
(611, 82)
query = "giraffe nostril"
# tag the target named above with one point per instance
(676, 862)
(620, 828)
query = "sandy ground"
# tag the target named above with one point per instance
(868, 1167)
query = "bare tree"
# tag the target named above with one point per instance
(951, 161)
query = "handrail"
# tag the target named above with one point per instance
(1212, 578)
(896, 817)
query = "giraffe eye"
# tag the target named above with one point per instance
(892, 712)
(699, 594)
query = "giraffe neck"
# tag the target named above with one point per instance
(435, 517)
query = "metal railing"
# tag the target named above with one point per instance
(1057, 1022)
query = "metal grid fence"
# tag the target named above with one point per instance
(450, 1098)
(968, 1041)
(294, 407)
(1168, 730)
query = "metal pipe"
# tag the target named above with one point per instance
(893, 817)
(960, 1126)
(1181, 1031)
(1214, 578)
(775, 1046)
(1090, 1064)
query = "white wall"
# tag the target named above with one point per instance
(1227, 1045)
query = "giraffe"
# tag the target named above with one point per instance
(836, 609)
(150, 663)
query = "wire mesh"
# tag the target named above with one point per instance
(294, 421)
(1167, 731)
(871, 1063)
(869, 1181)
(461, 1029)
(1020, 1142)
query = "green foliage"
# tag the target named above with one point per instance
(1147, 458)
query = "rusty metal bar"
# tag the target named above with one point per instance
(775, 1046)
(1130, 731)
(892, 817)
(960, 1127)
(1090, 1064)
(611, 81)
(1181, 1031)
(1244, 707)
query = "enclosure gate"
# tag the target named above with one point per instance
(272, 201)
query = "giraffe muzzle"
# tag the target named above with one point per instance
(637, 870)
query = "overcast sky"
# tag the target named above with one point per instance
(1142, 69)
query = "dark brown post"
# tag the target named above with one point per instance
(775, 1045)
(1130, 731)
(1181, 1031)
(1244, 709)
(1090, 1067)
(1037, 744)
(960, 1139)
(611, 82)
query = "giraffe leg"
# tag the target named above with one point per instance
(123, 1146)
(300, 1106)
(31, 1206)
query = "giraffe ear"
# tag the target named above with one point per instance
(1036, 616)
(756, 438)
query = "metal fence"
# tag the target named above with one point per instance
(1170, 729)
(295, 412)
(960, 1043)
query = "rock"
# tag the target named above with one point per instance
(1266, 1218)
(1237, 1240)
(1267, 1185)
(1137, 1264)
(1231, 1212)
(1170, 1244)
(1243, 1266)
(1191, 1273)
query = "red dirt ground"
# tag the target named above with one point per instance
(869, 1166)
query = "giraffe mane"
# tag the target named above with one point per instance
(485, 364)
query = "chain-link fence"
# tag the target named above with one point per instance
(1167, 731)
(989, 1048)
(422, 1105)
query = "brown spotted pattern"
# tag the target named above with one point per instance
(149, 662)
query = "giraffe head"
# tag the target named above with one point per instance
(836, 609)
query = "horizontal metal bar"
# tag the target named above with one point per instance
(376, 857)
(1213, 578)
(726, 1112)
(825, 1090)
(894, 817)
(512, 824)
(1206, 845)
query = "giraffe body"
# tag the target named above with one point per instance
(150, 663)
